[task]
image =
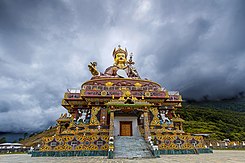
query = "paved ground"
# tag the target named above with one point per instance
(218, 156)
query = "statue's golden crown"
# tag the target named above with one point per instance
(119, 50)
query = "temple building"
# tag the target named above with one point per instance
(118, 114)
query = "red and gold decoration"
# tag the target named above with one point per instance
(118, 91)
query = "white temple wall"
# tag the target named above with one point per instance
(117, 120)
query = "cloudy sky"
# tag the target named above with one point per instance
(196, 47)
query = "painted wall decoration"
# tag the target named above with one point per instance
(75, 142)
(178, 141)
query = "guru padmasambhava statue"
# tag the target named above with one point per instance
(121, 68)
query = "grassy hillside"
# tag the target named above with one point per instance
(210, 117)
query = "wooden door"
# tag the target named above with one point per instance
(125, 128)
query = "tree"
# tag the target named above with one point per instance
(25, 135)
(3, 140)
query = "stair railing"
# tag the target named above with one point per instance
(111, 148)
(153, 148)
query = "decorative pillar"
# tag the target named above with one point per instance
(103, 117)
(111, 132)
(146, 126)
(73, 113)
(181, 126)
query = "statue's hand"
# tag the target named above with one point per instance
(92, 68)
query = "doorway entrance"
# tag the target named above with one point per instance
(126, 128)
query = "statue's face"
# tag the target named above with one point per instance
(120, 58)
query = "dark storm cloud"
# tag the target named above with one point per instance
(45, 46)
(200, 50)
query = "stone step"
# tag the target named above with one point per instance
(131, 147)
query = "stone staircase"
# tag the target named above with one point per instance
(131, 147)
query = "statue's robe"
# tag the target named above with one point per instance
(130, 72)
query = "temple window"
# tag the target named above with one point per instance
(89, 87)
(111, 88)
(100, 87)
(95, 87)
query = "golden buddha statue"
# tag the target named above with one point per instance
(121, 67)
